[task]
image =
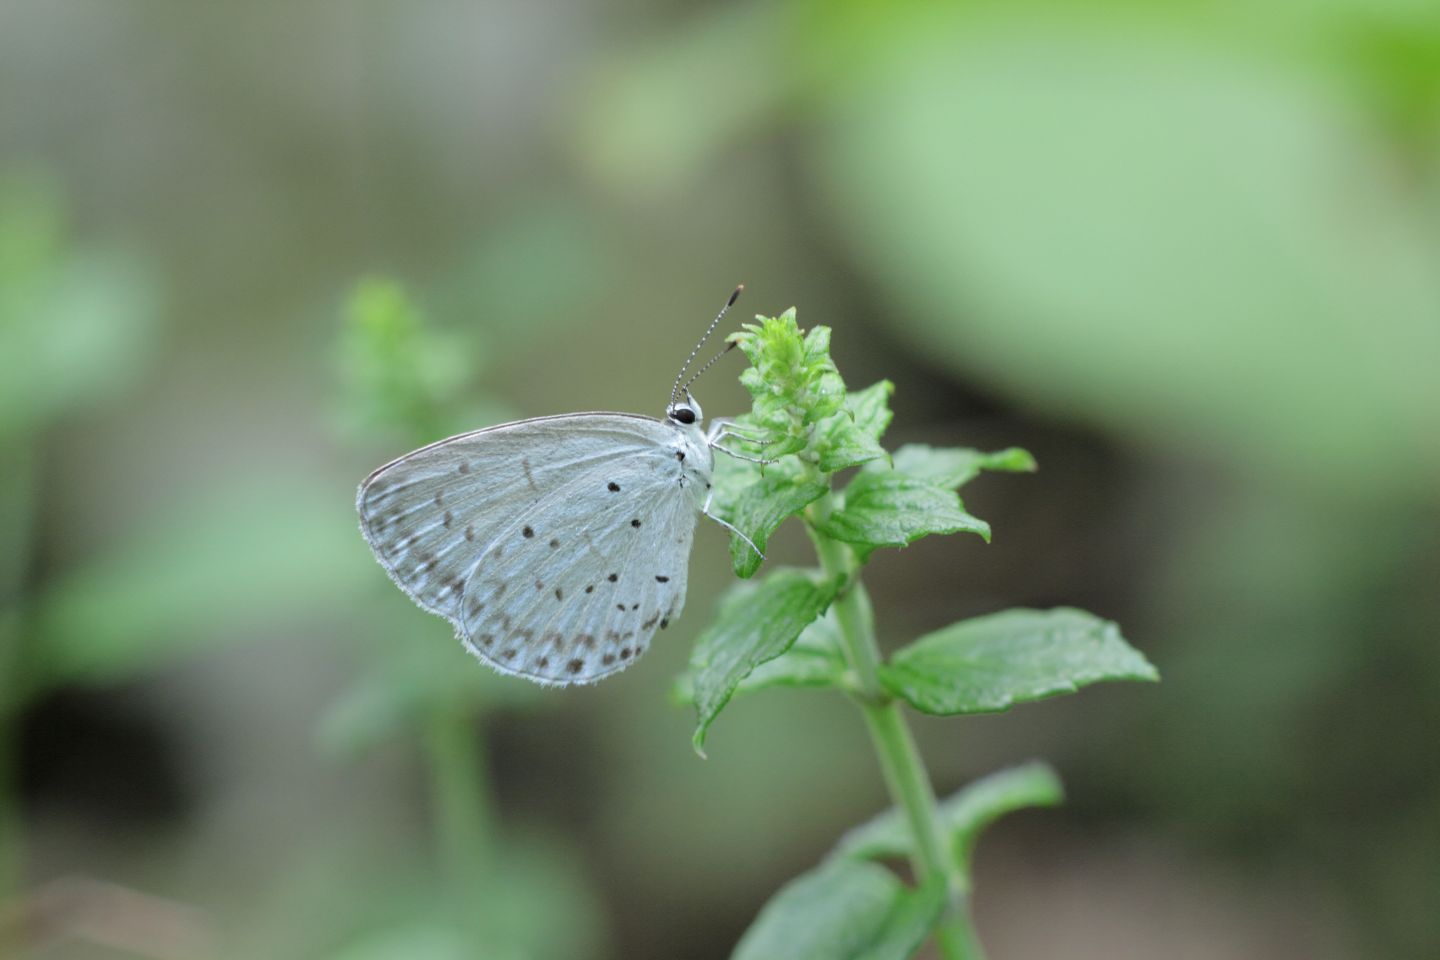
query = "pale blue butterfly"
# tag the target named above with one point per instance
(557, 546)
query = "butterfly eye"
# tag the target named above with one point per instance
(683, 415)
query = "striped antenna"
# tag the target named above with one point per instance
(708, 364)
(675, 390)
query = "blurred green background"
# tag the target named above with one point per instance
(1186, 253)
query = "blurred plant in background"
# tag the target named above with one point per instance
(497, 892)
(1183, 252)
(77, 327)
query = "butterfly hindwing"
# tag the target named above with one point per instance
(580, 595)
(431, 515)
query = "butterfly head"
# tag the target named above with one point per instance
(684, 412)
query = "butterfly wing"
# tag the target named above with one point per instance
(604, 570)
(461, 523)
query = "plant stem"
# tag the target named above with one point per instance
(461, 806)
(900, 761)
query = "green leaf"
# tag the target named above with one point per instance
(845, 444)
(843, 910)
(397, 373)
(988, 663)
(813, 661)
(962, 816)
(953, 467)
(755, 624)
(890, 509)
(852, 436)
(871, 407)
(760, 508)
(78, 322)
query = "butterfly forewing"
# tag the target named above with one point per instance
(557, 546)
(430, 515)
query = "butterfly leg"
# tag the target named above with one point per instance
(728, 526)
(740, 456)
(720, 429)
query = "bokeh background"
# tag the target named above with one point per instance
(1188, 254)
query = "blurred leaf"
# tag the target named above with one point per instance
(664, 108)
(963, 816)
(756, 623)
(889, 509)
(398, 374)
(843, 910)
(353, 892)
(416, 942)
(208, 569)
(414, 671)
(988, 663)
(813, 661)
(76, 323)
(537, 270)
(1126, 220)
(953, 467)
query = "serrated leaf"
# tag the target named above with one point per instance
(846, 444)
(759, 509)
(989, 663)
(889, 509)
(953, 467)
(843, 910)
(813, 661)
(755, 624)
(871, 407)
(852, 436)
(962, 816)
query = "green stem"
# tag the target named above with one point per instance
(900, 761)
(462, 807)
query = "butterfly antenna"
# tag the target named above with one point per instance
(675, 390)
(708, 364)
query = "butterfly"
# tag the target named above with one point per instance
(557, 546)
